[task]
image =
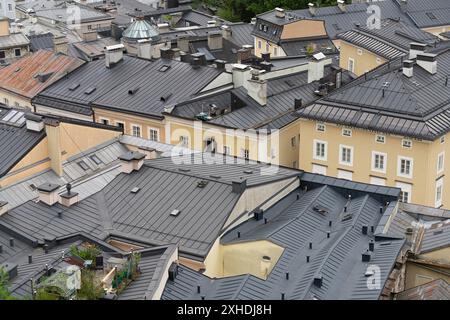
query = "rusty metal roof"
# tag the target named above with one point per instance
(32, 74)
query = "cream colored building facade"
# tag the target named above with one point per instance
(358, 60)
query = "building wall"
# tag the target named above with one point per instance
(10, 52)
(262, 45)
(364, 60)
(129, 120)
(15, 100)
(437, 30)
(418, 274)
(423, 154)
(5, 6)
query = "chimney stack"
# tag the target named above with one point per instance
(280, 13)
(144, 49)
(266, 66)
(48, 193)
(34, 122)
(220, 64)
(341, 5)
(166, 53)
(257, 88)
(408, 71)
(3, 207)
(185, 57)
(312, 9)
(131, 160)
(366, 256)
(163, 27)
(215, 40)
(238, 186)
(183, 43)
(226, 32)
(428, 62)
(61, 44)
(253, 21)
(113, 54)
(150, 153)
(69, 198)
(318, 280)
(316, 67)
(201, 59)
(415, 49)
(244, 54)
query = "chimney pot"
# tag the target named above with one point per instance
(307, 259)
(30, 259)
(11, 242)
(220, 64)
(1, 248)
(318, 279)
(258, 214)
(298, 102)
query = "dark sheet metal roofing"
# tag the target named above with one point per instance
(41, 41)
(112, 86)
(292, 224)
(436, 237)
(392, 40)
(146, 215)
(387, 101)
(15, 142)
(428, 13)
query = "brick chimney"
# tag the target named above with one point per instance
(215, 40)
(226, 32)
(244, 54)
(257, 88)
(132, 160)
(48, 193)
(416, 48)
(61, 44)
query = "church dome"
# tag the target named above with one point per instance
(141, 29)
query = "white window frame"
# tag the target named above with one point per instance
(103, 119)
(439, 185)
(380, 136)
(315, 156)
(132, 130)
(341, 162)
(407, 141)
(349, 131)
(345, 174)
(440, 163)
(352, 70)
(411, 167)
(375, 153)
(405, 187)
(321, 125)
(150, 129)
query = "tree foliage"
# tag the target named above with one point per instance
(4, 286)
(244, 10)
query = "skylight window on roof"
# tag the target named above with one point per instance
(164, 68)
(175, 213)
(90, 90)
(96, 159)
(431, 16)
(83, 165)
(74, 86)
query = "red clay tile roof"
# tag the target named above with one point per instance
(21, 77)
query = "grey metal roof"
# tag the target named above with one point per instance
(15, 141)
(292, 224)
(300, 47)
(13, 40)
(392, 40)
(336, 21)
(112, 86)
(145, 215)
(63, 14)
(428, 13)
(41, 41)
(435, 238)
(387, 101)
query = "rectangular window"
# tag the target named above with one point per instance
(406, 143)
(10, 7)
(346, 155)
(379, 161)
(184, 141)
(275, 52)
(351, 65)
(406, 192)
(17, 52)
(346, 132)
(136, 130)
(120, 124)
(293, 142)
(320, 127)
(439, 190)
(226, 150)
(343, 174)
(379, 138)
(259, 44)
(245, 153)
(6, 101)
(154, 134)
(405, 167)
(320, 150)
(440, 162)
(2, 55)
(104, 121)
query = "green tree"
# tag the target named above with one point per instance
(4, 286)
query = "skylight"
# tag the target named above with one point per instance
(74, 86)
(96, 159)
(83, 165)
(90, 90)
(164, 68)
(431, 15)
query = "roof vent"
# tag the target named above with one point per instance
(90, 90)
(42, 77)
(366, 256)
(135, 190)
(133, 91)
(74, 86)
(166, 97)
(318, 280)
(202, 183)
(320, 209)
(175, 212)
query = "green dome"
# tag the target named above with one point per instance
(141, 29)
